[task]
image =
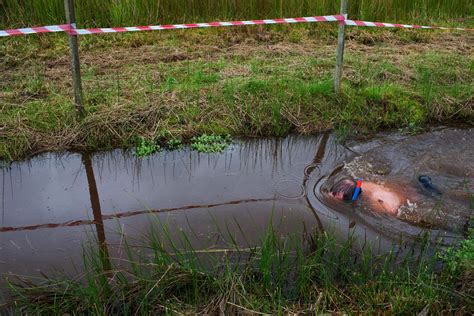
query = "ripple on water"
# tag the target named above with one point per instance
(290, 189)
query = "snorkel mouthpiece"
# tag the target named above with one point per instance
(357, 190)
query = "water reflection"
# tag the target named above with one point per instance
(3, 196)
(49, 202)
(96, 210)
(53, 200)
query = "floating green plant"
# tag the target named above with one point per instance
(146, 147)
(174, 144)
(210, 143)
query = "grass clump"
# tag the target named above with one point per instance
(204, 144)
(210, 143)
(146, 147)
(299, 274)
(174, 144)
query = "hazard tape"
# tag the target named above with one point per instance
(35, 30)
(396, 25)
(71, 29)
(312, 19)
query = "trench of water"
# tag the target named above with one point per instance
(54, 204)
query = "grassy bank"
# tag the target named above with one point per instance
(242, 82)
(107, 13)
(310, 274)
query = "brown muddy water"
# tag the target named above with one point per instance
(54, 204)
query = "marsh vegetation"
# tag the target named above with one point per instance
(105, 13)
(248, 81)
(251, 82)
(310, 273)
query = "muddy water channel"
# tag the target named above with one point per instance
(54, 204)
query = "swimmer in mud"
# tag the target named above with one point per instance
(381, 198)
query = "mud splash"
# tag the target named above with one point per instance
(53, 204)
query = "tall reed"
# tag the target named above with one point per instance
(14, 13)
(313, 273)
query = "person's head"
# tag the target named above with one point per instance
(343, 189)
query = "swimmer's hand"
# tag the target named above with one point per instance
(428, 186)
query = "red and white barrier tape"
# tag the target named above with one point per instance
(35, 30)
(396, 25)
(327, 18)
(67, 28)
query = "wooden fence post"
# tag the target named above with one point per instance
(340, 50)
(75, 63)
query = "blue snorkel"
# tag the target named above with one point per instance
(428, 186)
(357, 191)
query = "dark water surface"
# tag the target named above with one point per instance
(53, 204)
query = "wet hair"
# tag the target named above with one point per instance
(346, 186)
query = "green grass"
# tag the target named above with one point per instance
(174, 144)
(146, 147)
(245, 82)
(210, 143)
(204, 144)
(164, 86)
(310, 273)
(106, 13)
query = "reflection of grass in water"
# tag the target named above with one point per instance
(312, 274)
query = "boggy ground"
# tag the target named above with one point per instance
(244, 81)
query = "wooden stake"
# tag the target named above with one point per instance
(340, 50)
(75, 63)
